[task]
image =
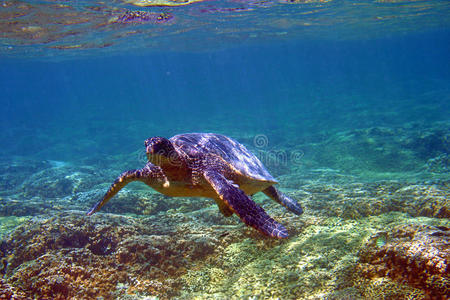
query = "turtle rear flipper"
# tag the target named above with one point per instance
(249, 212)
(284, 200)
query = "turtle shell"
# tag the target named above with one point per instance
(234, 153)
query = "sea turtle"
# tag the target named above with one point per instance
(209, 165)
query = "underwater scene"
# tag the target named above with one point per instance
(203, 149)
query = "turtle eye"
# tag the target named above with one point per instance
(158, 145)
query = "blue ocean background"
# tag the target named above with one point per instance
(74, 109)
(346, 103)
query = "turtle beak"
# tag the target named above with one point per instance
(148, 147)
(148, 150)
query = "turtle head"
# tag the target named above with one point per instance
(160, 151)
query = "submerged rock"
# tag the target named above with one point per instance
(187, 255)
(356, 200)
(418, 255)
(14, 171)
(185, 248)
(59, 182)
(383, 152)
(439, 164)
(74, 256)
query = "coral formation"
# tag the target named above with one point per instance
(374, 151)
(439, 164)
(355, 200)
(319, 262)
(194, 254)
(418, 255)
(323, 191)
(74, 256)
(184, 248)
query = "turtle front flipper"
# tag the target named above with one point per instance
(150, 175)
(249, 212)
(284, 200)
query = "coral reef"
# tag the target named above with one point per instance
(194, 254)
(355, 200)
(15, 170)
(7, 293)
(418, 255)
(439, 164)
(359, 238)
(381, 152)
(50, 186)
(8, 223)
(318, 262)
(74, 256)
(323, 191)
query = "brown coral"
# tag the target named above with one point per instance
(71, 256)
(418, 255)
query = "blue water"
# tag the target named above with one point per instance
(327, 94)
(69, 109)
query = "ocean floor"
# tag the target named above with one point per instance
(376, 226)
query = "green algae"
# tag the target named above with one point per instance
(381, 241)
(318, 263)
(9, 223)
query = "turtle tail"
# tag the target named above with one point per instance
(118, 184)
